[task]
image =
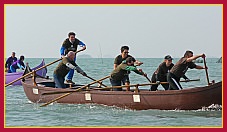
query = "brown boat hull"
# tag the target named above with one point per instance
(186, 99)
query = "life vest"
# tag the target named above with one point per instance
(70, 46)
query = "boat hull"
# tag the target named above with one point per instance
(186, 99)
(9, 77)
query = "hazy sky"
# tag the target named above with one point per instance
(153, 31)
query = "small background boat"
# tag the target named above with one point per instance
(9, 77)
(219, 60)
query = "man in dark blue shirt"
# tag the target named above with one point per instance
(10, 61)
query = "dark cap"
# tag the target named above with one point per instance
(168, 57)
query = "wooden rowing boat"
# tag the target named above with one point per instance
(186, 99)
(9, 77)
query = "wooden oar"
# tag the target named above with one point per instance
(95, 80)
(64, 95)
(32, 72)
(206, 71)
(132, 85)
(148, 79)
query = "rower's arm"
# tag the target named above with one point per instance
(62, 51)
(199, 67)
(20, 66)
(194, 57)
(81, 44)
(133, 68)
(115, 66)
(138, 63)
(75, 67)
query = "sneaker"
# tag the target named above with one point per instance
(70, 81)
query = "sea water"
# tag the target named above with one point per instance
(20, 112)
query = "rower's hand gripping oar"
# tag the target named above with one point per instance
(64, 95)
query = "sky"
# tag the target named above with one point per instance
(151, 31)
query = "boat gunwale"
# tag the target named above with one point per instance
(141, 91)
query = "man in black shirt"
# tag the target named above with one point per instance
(122, 57)
(160, 75)
(118, 74)
(180, 68)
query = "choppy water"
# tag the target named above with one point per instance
(20, 112)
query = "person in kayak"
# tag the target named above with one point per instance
(19, 64)
(10, 61)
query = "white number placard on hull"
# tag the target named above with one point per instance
(87, 96)
(35, 91)
(136, 98)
